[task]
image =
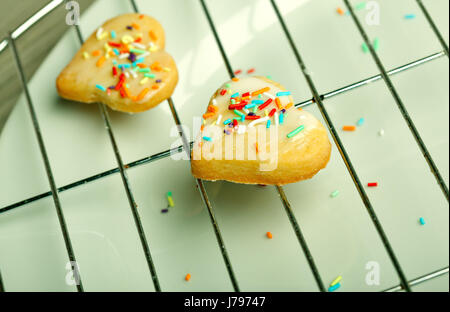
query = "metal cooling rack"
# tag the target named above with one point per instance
(317, 99)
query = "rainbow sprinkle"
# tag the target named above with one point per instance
(170, 199)
(100, 87)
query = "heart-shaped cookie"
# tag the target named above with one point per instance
(253, 134)
(123, 65)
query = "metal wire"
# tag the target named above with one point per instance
(44, 155)
(343, 152)
(2, 288)
(129, 193)
(279, 189)
(399, 102)
(420, 280)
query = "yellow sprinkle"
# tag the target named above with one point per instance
(154, 48)
(266, 112)
(143, 81)
(127, 39)
(107, 56)
(337, 280)
(85, 55)
(166, 69)
(171, 203)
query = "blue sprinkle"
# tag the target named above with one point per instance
(242, 118)
(207, 139)
(124, 66)
(235, 95)
(257, 102)
(335, 287)
(281, 118)
(226, 122)
(410, 16)
(114, 62)
(116, 52)
(360, 122)
(250, 105)
(113, 34)
(422, 221)
(283, 93)
(139, 60)
(100, 87)
(268, 124)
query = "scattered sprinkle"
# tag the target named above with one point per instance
(365, 48)
(360, 122)
(410, 16)
(422, 221)
(100, 87)
(85, 55)
(250, 71)
(360, 6)
(165, 210)
(170, 199)
(235, 79)
(376, 44)
(207, 139)
(260, 91)
(269, 235)
(334, 194)
(349, 128)
(237, 72)
(340, 11)
(335, 287)
(337, 280)
(372, 184)
(296, 131)
(113, 34)
(284, 93)
(188, 277)
(381, 132)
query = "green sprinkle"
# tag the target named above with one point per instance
(137, 51)
(296, 131)
(376, 43)
(365, 48)
(144, 70)
(360, 6)
(333, 195)
(233, 101)
(255, 109)
(238, 113)
(269, 77)
(150, 75)
(227, 85)
(169, 193)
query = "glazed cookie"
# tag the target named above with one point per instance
(253, 134)
(123, 65)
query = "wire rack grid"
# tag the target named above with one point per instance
(317, 99)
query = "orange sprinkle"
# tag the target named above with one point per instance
(260, 91)
(141, 65)
(256, 147)
(155, 87)
(278, 103)
(142, 94)
(135, 26)
(269, 235)
(208, 115)
(134, 98)
(340, 11)
(289, 105)
(349, 128)
(213, 108)
(202, 127)
(152, 35)
(101, 61)
(188, 277)
(300, 108)
(111, 53)
(138, 39)
(235, 79)
(141, 16)
(96, 53)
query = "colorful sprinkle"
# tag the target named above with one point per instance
(335, 287)
(165, 210)
(360, 6)
(284, 93)
(100, 87)
(296, 131)
(268, 124)
(372, 184)
(238, 113)
(142, 94)
(337, 280)
(334, 194)
(365, 48)
(150, 75)
(250, 71)
(188, 277)
(410, 16)
(143, 81)
(422, 221)
(281, 118)
(226, 122)
(260, 91)
(360, 122)
(269, 235)
(258, 102)
(376, 44)
(235, 95)
(340, 11)
(207, 139)
(170, 199)
(237, 72)
(349, 128)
